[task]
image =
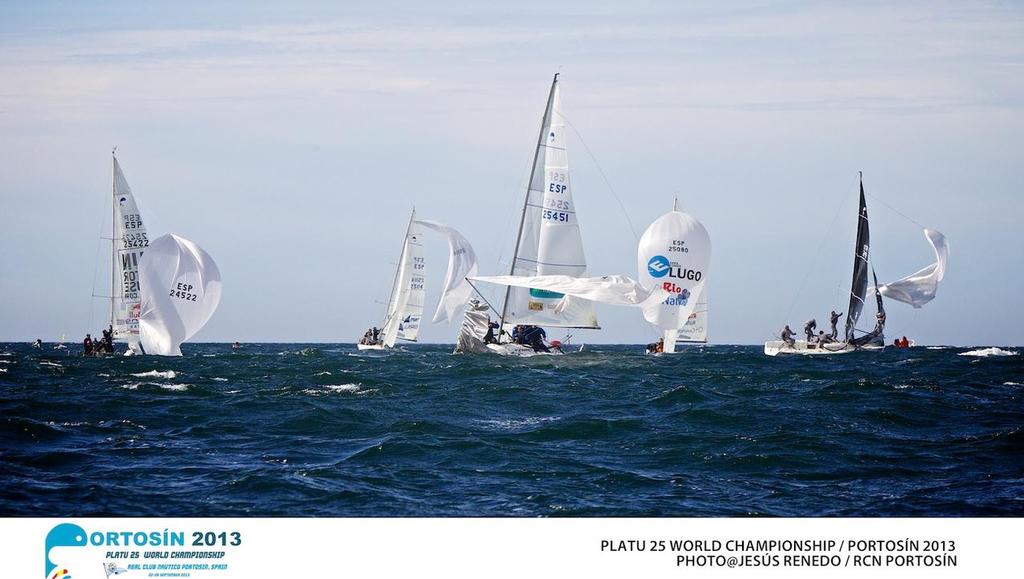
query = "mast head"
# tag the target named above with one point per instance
(675, 204)
(556, 76)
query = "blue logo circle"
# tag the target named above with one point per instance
(658, 266)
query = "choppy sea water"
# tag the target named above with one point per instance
(324, 430)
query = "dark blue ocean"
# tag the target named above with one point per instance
(323, 430)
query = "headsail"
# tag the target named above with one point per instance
(549, 241)
(616, 290)
(405, 308)
(861, 251)
(129, 242)
(461, 264)
(919, 288)
(674, 254)
(695, 329)
(180, 287)
(474, 328)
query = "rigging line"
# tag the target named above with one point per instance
(96, 262)
(894, 210)
(607, 183)
(817, 257)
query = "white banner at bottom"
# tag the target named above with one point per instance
(221, 548)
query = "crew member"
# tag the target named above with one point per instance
(787, 336)
(809, 328)
(835, 318)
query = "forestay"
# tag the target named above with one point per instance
(405, 308)
(461, 264)
(129, 243)
(919, 288)
(549, 240)
(180, 288)
(675, 254)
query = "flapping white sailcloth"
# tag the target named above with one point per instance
(919, 288)
(616, 290)
(461, 264)
(180, 291)
(130, 242)
(550, 241)
(405, 308)
(674, 254)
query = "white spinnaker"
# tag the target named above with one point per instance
(550, 241)
(180, 286)
(461, 264)
(616, 290)
(474, 328)
(695, 328)
(675, 254)
(405, 308)
(130, 242)
(919, 288)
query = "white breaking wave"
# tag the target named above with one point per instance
(175, 387)
(1011, 383)
(985, 352)
(342, 387)
(157, 374)
(219, 379)
(937, 347)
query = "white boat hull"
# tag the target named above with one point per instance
(370, 346)
(802, 348)
(519, 350)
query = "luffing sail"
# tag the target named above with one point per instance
(129, 242)
(675, 255)
(180, 287)
(461, 264)
(919, 288)
(616, 290)
(474, 328)
(549, 241)
(405, 307)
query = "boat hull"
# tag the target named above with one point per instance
(802, 348)
(519, 350)
(370, 346)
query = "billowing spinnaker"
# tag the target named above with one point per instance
(550, 241)
(695, 328)
(405, 308)
(674, 253)
(461, 264)
(180, 287)
(129, 243)
(919, 288)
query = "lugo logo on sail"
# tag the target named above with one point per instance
(659, 266)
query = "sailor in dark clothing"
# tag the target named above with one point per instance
(809, 328)
(376, 335)
(835, 318)
(787, 336)
(87, 344)
(535, 339)
(519, 334)
(489, 336)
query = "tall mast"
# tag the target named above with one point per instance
(113, 232)
(401, 260)
(526, 199)
(861, 250)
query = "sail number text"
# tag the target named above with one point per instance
(184, 292)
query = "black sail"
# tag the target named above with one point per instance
(859, 287)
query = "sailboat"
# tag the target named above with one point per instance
(915, 290)
(673, 256)
(548, 242)
(128, 242)
(405, 305)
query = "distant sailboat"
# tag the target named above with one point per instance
(916, 290)
(128, 242)
(405, 304)
(548, 241)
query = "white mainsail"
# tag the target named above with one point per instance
(549, 241)
(180, 289)
(919, 288)
(461, 264)
(675, 254)
(129, 242)
(405, 307)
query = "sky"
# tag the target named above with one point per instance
(291, 141)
